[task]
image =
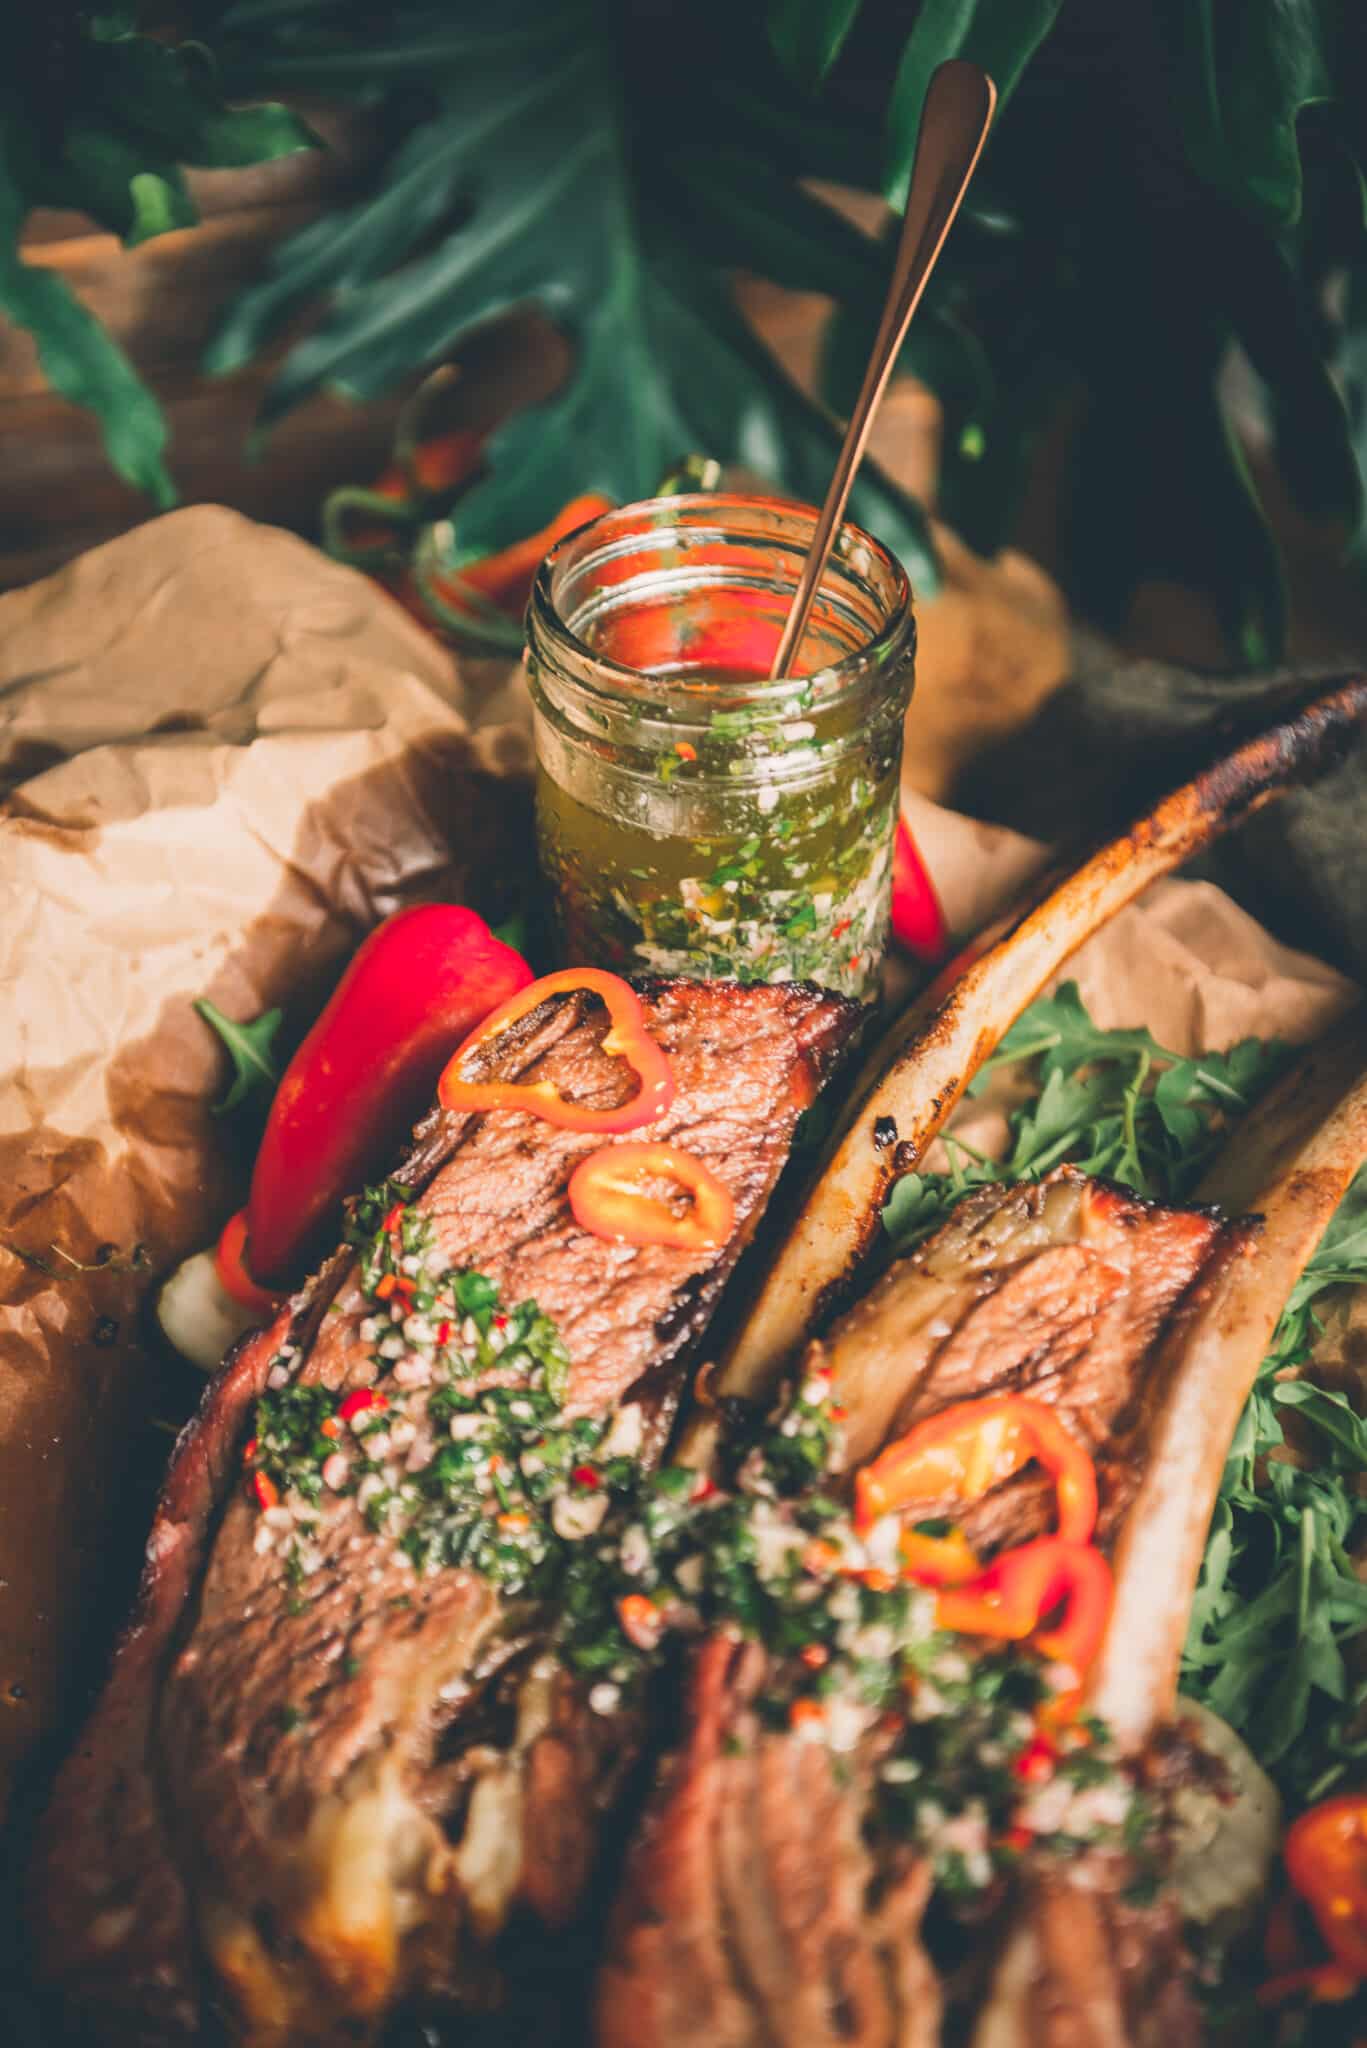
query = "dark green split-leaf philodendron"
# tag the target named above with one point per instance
(1169, 180)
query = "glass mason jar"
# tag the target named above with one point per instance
(694, 818)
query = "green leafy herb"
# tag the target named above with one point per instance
(251, 1049)
(1279, 1602)
(1113, 1103)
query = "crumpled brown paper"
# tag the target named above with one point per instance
(255, 756)
(229, 758)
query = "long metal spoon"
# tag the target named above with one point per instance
(954, 125)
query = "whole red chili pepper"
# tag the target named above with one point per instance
(415, 990)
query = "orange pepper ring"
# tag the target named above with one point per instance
(972, 1445)
(605, 1199)
(628, 1037)
(1325, 1853)
(1020, 1586)
(939, 1560)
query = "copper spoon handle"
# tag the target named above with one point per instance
(954, 125)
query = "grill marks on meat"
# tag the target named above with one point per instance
(754, 1915)
(1058, 1289)
(297, 1760)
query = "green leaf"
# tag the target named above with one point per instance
(250, 1047)
(808, 35)
(528, 186)
(171, 97)
(1244, 77)
(83, 363)
(1000, 35)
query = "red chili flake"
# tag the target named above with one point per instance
(825, 1371)
(444, 1332)
(814, 1655)
(641, 1620)
(838, 931)
(329, 1427)
(584, 1475)
(704, 1489)
(1019, 1839)
(266, 1491)
(385, 1286)
(878, 1581)
(394, 1217)
(249, 1451)
(1035, 1764)
(838, 1411)
(854, 962)
(500, 1322)
(805, 1711)
(356, 1403)
(685, 750)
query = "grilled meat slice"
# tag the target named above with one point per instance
(1061, 1289)
(306, 1806)
(1057, 1289)
(754, 1912)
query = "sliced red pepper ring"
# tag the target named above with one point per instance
(608, 1196)
(973, 1446)
(628, 1037)
(230, 1264)
(1325, 1853)
(1022, 1587)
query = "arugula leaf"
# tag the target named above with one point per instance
(250, 1047)
(1113, 1103)
(1279, 1600)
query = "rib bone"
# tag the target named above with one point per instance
(923, 1066)
(1290, 1162)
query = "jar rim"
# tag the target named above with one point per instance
(603, 671)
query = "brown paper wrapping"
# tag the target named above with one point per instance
(227, 758)
(246, 756)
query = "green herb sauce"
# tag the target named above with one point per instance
(791, 883)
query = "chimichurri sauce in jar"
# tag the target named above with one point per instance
(694, 818)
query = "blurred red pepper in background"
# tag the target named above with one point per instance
(415, 990)
(918, 922)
